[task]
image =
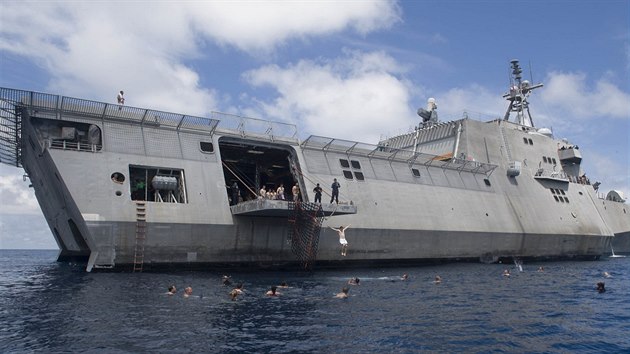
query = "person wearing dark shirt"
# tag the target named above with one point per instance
(335, 191)
(318, 193)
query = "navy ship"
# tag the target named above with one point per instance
(130, 188)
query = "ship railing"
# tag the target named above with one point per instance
(59, 107)
(353, 148)
(72, 145)
(247, 127)
(548, 174)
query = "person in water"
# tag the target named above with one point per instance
(343, 294)
(354, 281)
(404, 277)
(601, 287)
(438, 279)
(283, 285)
(226, 280)
(188, 291)
(273, 291)
(341, 231)
(171, 290)
(506, 273)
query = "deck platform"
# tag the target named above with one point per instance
(280, 208)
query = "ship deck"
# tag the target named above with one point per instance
(280, 208)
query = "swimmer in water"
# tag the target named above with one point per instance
(343, 294)
(607, 275)
(226, 280)
(273, 291)
(506, 273)
(541, 269)
(601, 287)
(354, 281)
(171, 290)
(438, 279)
(188, 291)
(283, 285)
(404, 277)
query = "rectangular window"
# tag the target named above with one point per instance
(347, 174)
(415, 172)
(206, 146)
(344, 163)
(359, 176)
(355, 164)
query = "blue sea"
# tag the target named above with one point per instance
(52, 307)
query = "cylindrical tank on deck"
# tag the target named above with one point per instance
(164, 183)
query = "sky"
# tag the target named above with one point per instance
(355, 70)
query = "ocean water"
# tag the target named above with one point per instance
(51, 307)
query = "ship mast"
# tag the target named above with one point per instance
(519, 91)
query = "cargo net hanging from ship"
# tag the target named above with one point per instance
(305, 222)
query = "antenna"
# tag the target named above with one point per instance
(531, 76)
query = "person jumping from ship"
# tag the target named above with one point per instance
(342, 238)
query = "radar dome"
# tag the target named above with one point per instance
(616, 196)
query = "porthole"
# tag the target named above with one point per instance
(525, 140)
(545, 159)
(347, 174)
(562, 199)
(206, 146)
(344, 163)
(118, 193)
(553, 160)
(580, 193)
(355, 164)
(562, 192)
(486, 181)
(359, 176)
(415, 172)
(566, 199)
(556, 198)
(118, 177)
(530, 142)
(552, 191)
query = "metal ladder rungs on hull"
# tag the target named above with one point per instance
(141, 235)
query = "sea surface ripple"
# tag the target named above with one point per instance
(46, 306)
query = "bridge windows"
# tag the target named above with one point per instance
(351, 172)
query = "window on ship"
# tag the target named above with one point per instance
(157, 184)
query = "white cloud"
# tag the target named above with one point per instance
(571, 94)
(15, 195)
(100, 48)
(357, 97)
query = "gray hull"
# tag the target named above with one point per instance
(454, 194)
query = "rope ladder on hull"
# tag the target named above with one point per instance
(305, 222)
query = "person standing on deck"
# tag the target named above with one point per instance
(236, 193)
(335, 191)
(296, 193)
(120, 98)
(318, 193)
(342, 238)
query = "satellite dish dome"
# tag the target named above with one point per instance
(431, 100)
(616, 196)
(431, 104)
(546, 132)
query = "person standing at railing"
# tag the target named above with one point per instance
(121, 98)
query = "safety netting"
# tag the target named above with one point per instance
(305, 222)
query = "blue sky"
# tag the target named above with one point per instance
(354, 70)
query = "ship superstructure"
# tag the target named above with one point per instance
(125, 187)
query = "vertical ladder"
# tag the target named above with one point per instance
(141, 235)
(508, 153)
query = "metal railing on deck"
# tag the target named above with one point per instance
(57, 107)
(400, 155)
